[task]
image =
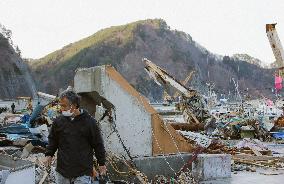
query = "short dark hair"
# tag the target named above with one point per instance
(72, 97)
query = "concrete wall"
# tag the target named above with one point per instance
(132, 119)
(141, 128)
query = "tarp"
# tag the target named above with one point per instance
(36, 112)
(278, 83)
(41, 130)
(278, 135)
(15, 129)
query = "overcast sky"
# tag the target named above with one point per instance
(223, 27)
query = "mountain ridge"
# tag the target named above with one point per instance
(124, 46)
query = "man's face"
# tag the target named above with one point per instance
(65, 105)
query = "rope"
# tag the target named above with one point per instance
(132, 171)
(175, 143)
(198, 150)
(114, 166)
(156, 140)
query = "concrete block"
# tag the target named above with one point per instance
(212, 166)
(166, 165)
(161, 165)
(87, 80)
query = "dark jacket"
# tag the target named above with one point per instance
(76, 140)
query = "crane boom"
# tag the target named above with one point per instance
(275, 44)
(158, 74)
(188, 78)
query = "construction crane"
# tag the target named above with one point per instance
(276, 46)
(167, 97)
(192, 104)
(161, 76)
(186, 80)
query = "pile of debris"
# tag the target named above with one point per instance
(24, 135)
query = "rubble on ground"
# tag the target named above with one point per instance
(247, 130)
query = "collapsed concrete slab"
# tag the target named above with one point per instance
(154, 144)
(16, 171)
(141, 128)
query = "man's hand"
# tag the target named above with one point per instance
(47, 161)
(95, 173)
(102, 170)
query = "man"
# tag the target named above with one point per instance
(75, 135)
(13, 108)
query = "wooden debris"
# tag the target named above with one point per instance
(257, 158)
(43, 177)
(265, 163)
(255, 151)
(27, 150)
